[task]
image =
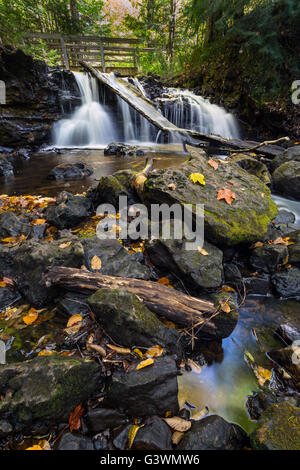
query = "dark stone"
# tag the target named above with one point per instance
(110, 188)
(73, 442)
(278, 428)
(70, 171)
(190, 265)
(27, 263)
(284, 217)
(258, 403)
(149, 391)
(224, 322)
(294, 248)
(46, 389)
(286, 179)
(116, 261)
(129, 322)
(154, 435)
(121, 440)
(73, 303)
(12, 225)
(100, 442)
(288, 333)
(213, 433)
(288, 155)
(68, 211)
(287, 283)
(232, 274)
(258, 285)
(288, 358)
(100, 419)
(268, 257)
(119, 149)
(8, 297)
(6, 168)
(5, 428)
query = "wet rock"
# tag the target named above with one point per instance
(100, 442)
(154, 435)
(73, 442)
(129, 322)
(100, 419)
(110, 188)
(46, 389)
(288, 155)
(258, 285)
(68, 211)
(27, 263)
(116, 261)
(149, 391)
(8, 297)
(5, 428)
(232, 274)
(286, 179)
(6, 168)
(119, 149)
(204, 271)
(278, 428)
(287, 283)
(245, 220)
(284, 217)
(121, 440)
(258, 403)
(72, 304)
(294, 248)
(268, 257)
(213, 433)
(12, 225)
(288, 358)
(225, 322)
(288, 333)
(253, 166)
(70, 171)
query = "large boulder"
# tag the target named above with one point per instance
(27, 263)
(129, 322)
(213, 433)
(68, 211)
(198, 269)
(70, 171)
(286, 179)
(152, 390)
(115, 260)
(110, 188)
(245, 220)
(292, 153)
(268, 257)
(278, 428)
(287, 283)
(46, 389)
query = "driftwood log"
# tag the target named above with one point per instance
(175, 306)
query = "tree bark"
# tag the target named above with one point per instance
(172, 29)
(175, 306)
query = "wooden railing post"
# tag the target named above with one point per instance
(64, 53)
(102, 56)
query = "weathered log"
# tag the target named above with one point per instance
(173, 305)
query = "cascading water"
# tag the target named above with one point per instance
(90, 125)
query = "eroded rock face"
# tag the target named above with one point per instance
(253, 166)
(46, 389)
(286, 179)
(34, 98)
(146, 392)
(244, 221)
(70, 171)
(278, 428)
(68, 211)
(214, 433)
(129, 322)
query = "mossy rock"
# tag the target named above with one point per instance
(110, 188)
(253, 166)
(244, 221)
(278, 428)
(286, 179)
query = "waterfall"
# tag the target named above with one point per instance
(90, 125)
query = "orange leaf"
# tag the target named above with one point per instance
(75, 418)
(226, 194)
(164, 281)
(74, 319)
(2, 284)
(31, 316)
(38, 222)
(213, 164)
(154, 351)
(9, 282)
(145, 363)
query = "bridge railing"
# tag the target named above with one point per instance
(107, 54)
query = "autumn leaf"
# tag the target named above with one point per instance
(118, 349)
(31, 316)
(132, 433)
(197, 178)
(164, 281)
(75, 418)
(227, 289)
(256, 245)
(262, 374)
(225, 307)
(138, 352)
(36, 447)
(2, 284)
(45, 352)
(38, 222)
(74, 319)
(146, 363)
(96, 263)
(97, 348)
(282, 241)
(213, 164)
(178, 424)
(154, 351)
(226, 194)
(8, 281)
(65, 245)
(202, 251)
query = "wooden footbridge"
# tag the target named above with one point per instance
(106, 54)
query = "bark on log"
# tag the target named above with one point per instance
(175, 306)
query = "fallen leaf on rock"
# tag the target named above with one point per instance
(213, 164)
(146, 363)
(197, 178)
(96, 263)
(2, 284)
(119, 350)
(75, 418)
(227, 289)
(74, 319)
(281, 241)
(226, 194)
(172, 186)
(178, 424)
(65, 245)
(202, 251)
(45, 352)
(154, 351)
(164, 281)
(225, 307)
(256, 245)
(262, 374)
(38, 222)
(97, 348)
(72, 330)
(31, 316)
(132, 433)
(36, 447)
(176, 437)
(138, 352)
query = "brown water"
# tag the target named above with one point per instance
(31, 175)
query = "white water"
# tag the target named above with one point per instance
(288, 205)
(93, 125)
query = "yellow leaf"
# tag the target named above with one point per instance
(119, 350)
(138, 352)
(154, 351)
(65, 245)
(34, 448)
(202, 251)
(225, 307)
(38, 222)
(178, 424)
(262, 374)
(2, 284)
(31, 316)
(146, 363)
(197, 178)
(74, 319)
(132, 433)
(45, 352)
(96, 263)
(227, 289)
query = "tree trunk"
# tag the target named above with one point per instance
(74, 16)
(172, 29)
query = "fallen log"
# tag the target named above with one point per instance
(181, 309)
